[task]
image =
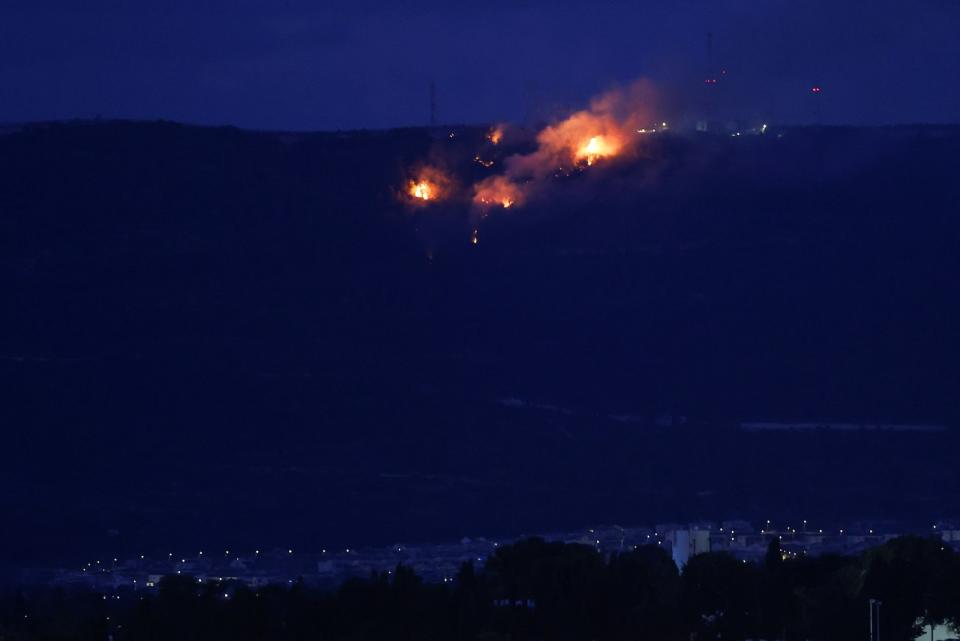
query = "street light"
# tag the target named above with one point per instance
(875, 619)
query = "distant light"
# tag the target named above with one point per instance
(815, 89)
(289, 551)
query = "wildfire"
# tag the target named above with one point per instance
(497, 190)
(428, 185)
(424, 190)
(495, 135)
(595, 148)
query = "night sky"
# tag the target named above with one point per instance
(290, 64)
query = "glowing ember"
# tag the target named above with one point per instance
(497, 190)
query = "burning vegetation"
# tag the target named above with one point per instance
(424, 190)
(608, 129)
(597, 147)
(611, 128)
(497, 191)
(429, 185)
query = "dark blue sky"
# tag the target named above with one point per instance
(291, 64)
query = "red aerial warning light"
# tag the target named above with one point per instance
(815, 89)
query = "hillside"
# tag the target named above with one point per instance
(263, 323)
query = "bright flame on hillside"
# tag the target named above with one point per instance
(607, 129)
(428, 185)
(595, 148)
(496, 135)
(424, 190)
(497, 191)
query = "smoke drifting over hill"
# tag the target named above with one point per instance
(611, 128)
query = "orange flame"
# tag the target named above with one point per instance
(428, 185)
(607, 129)
(424, 190)
(497, 190)
(595, 148)
(583, 138)
(495, 135)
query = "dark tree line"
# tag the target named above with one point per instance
(537, 590)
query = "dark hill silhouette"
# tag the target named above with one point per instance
(218, 335)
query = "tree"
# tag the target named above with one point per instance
(718, 597)
(916, 579)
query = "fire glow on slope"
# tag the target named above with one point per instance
(597, 147)
(428, 185)
(606, 130)
(424, 190)
(497, 191)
